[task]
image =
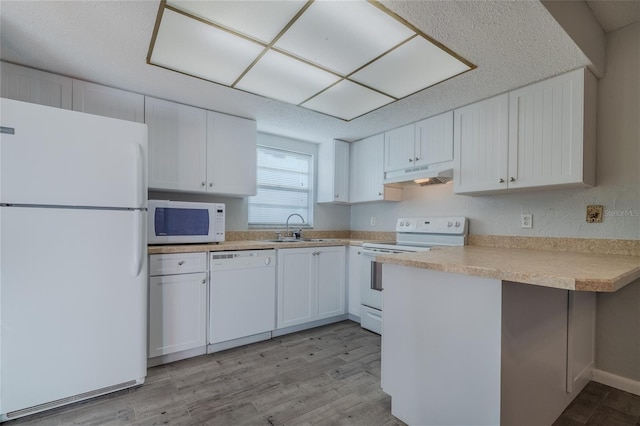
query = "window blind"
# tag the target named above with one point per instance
(284, 186)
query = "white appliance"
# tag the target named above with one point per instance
(73, 274)
(242, 297)
(180, 222)
(412, 234)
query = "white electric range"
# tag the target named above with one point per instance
(413, 234)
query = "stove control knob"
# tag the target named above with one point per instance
(449, 224)
(457, 224)
(401, 223)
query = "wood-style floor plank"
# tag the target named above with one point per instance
(324, 376)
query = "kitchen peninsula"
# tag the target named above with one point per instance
(484, 335)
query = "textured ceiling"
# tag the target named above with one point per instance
(513, 44)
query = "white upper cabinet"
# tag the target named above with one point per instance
(418, 146)
(481, 143)
(194, 150)
(333, 172)
(177, 146)
(552, 132)
(434, 140)
(38, 87)
(366, 162)
(539, 136)
(231, 154)
(106, 101)
(399, 148)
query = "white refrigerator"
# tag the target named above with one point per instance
(73, 273)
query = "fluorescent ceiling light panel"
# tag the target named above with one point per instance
(347, 100)
(192, 47)
(410, 68)
(281, 77)
(343, 35)
(262, 20)
(341, 58)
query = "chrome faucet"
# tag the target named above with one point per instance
(293, 214)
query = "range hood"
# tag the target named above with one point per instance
(422, 175)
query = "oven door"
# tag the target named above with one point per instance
(371, 281)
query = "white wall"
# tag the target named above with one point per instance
(618, 314)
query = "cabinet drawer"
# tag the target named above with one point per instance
(177, 263)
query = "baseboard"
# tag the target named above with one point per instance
(176, 356)
(308, 325)
(353, 317)
(618, 382)
(223, 346)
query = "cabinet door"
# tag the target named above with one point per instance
(399, 147)
(106, 101)
(546, 132)
(330, 273)
(296, 284)
(341, 172)
(480, 136)
(333, 172)
(177, 313)
(434, 139)
(356, 265)
(231, 154)
(177, 145)
(38, 87)
(366, 160)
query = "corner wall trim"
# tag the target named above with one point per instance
(618, 382)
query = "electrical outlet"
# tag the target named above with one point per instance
(526, 221)
(373, 221)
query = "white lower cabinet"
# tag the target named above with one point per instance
(357, 264)
(311, 284)
(177, 303)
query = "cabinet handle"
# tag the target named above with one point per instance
(204, 281)
(337, 195)
(181, 263)
(501, 180)
(379, 193)
(202, 184)
(512, 179)
(417, 158)
(210, 184)
(359, 252)
(411, 160)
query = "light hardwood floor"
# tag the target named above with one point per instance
(324, 376)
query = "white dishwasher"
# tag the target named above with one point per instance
(242, 298)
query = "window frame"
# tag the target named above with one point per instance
(311, 192)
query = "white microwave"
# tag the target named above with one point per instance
(181, 222)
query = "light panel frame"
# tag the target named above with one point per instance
(308, 63)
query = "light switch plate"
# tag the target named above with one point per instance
(594, 214)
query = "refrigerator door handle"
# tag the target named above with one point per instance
(141, 184)
(140, 239)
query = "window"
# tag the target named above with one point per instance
(284, 186)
